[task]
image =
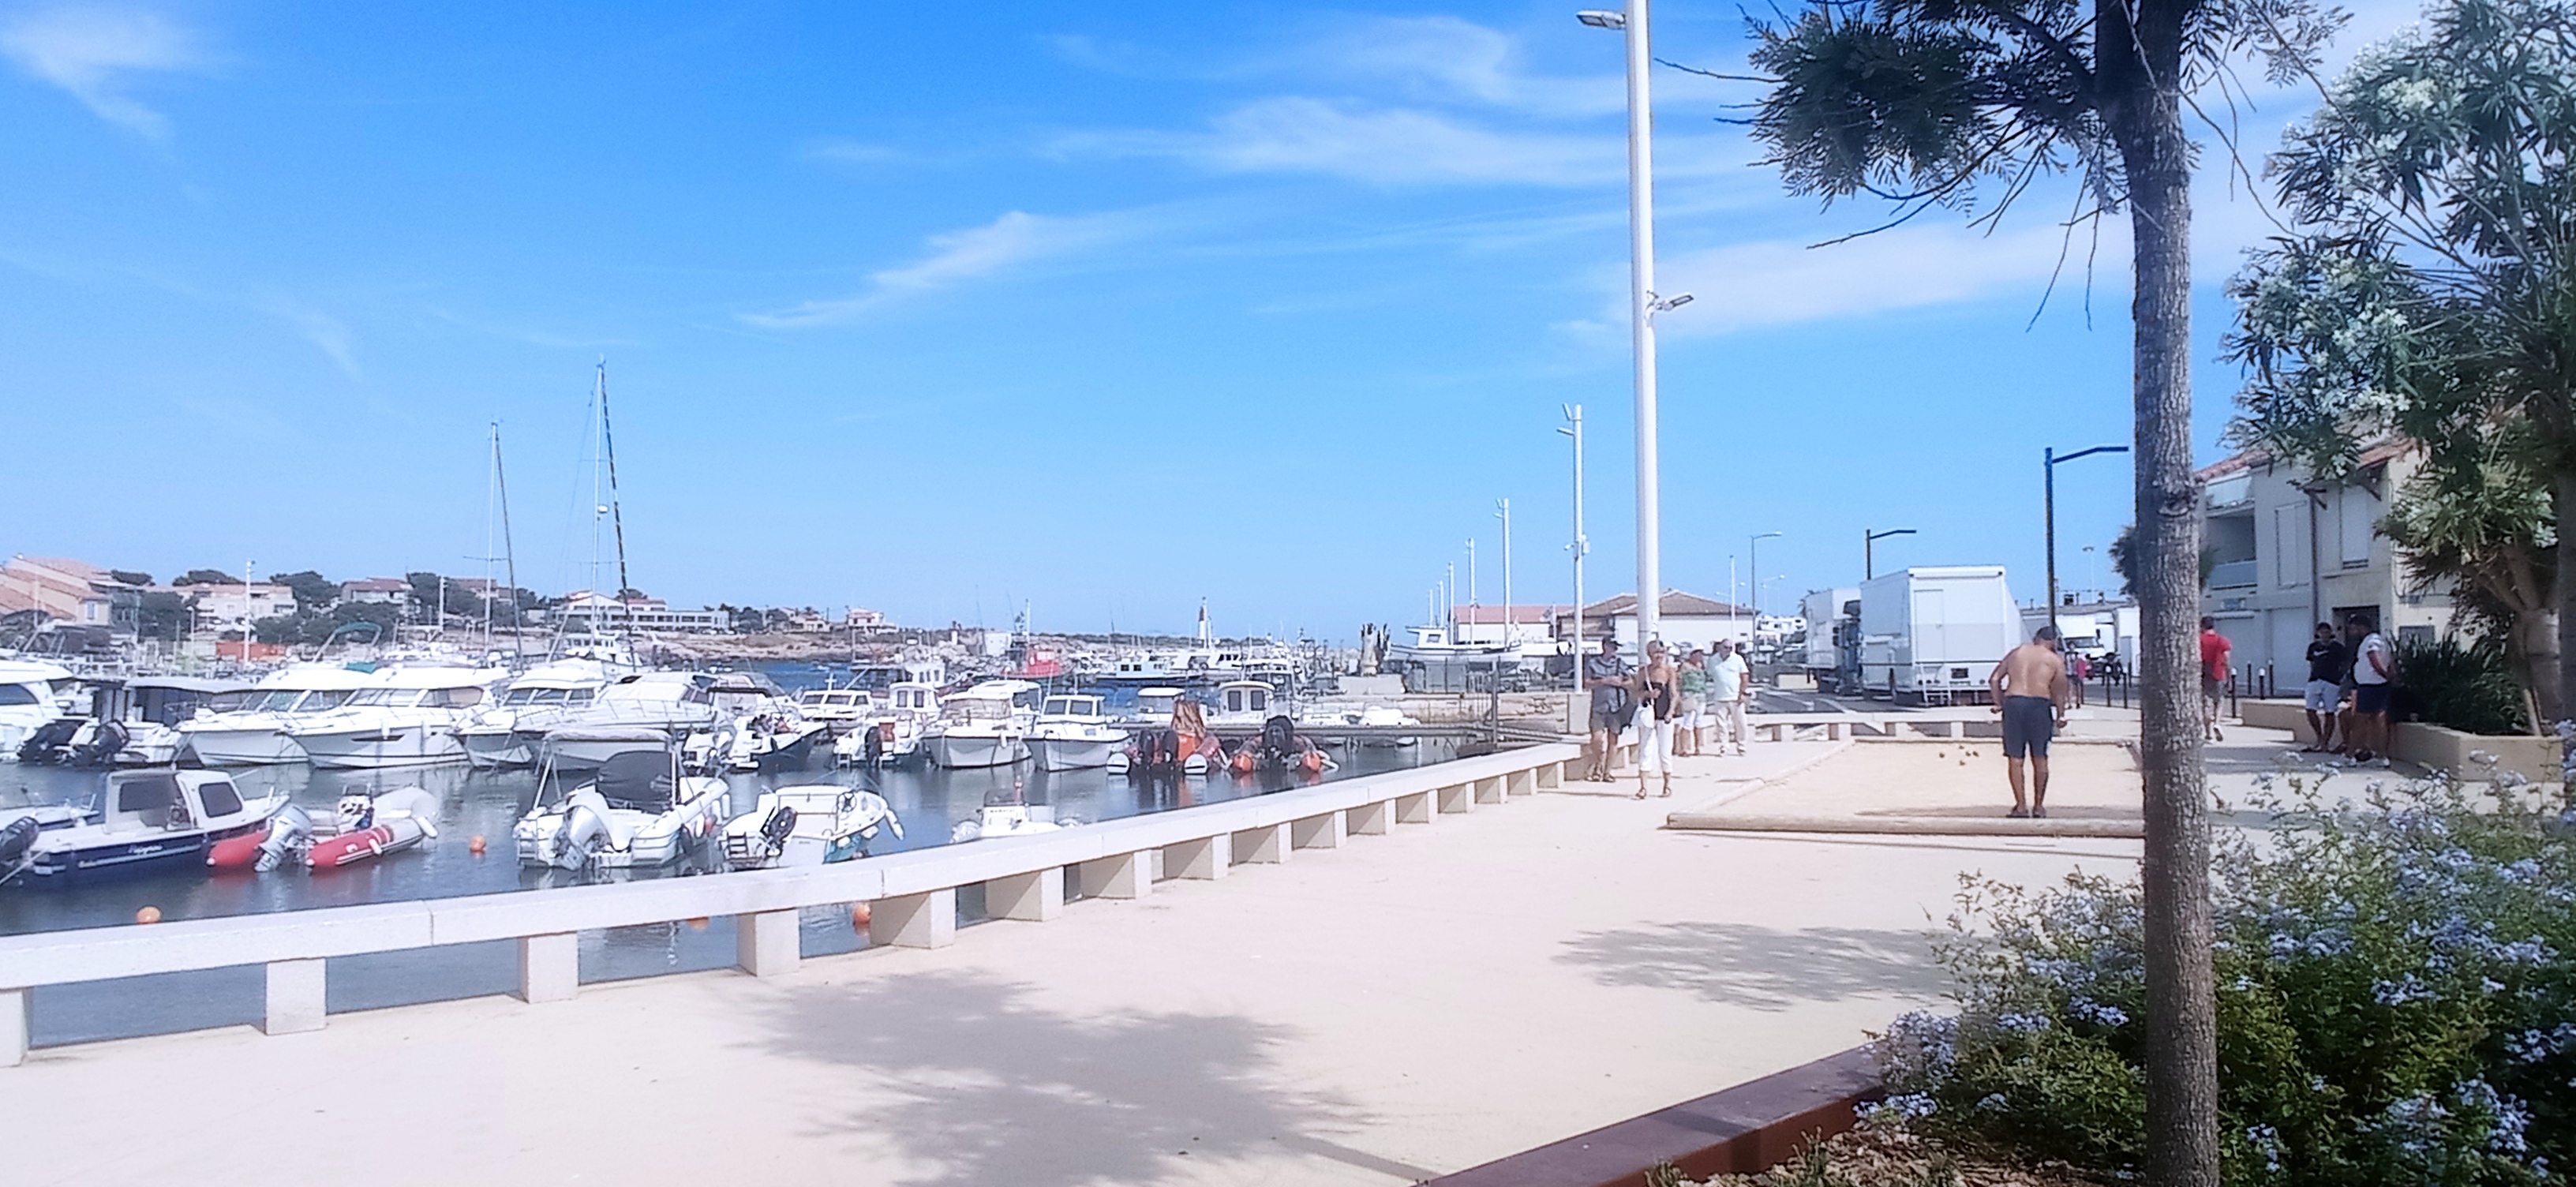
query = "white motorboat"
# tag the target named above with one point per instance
(1367, 716)
(984, 726)
(1153, 706)
(1072, 733)
(673, 705)
(841, 709)
(1244, 702)
(506, 732)
(255, 733)
(808, 825)
(640, 809)
(778, 740)
(1001, 820)
(903, 711)
(148, 819)
(408, 717)
(31, 695)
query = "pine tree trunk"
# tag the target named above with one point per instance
(2140, 68)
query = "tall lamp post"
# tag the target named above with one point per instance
(1574, 419)
(1643, 305)
(1506, 513)
(1868, 540)
(2050, 457)
(1754, 563)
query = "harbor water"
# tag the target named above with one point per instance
(475, 803)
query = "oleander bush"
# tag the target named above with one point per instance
(2396, 1000)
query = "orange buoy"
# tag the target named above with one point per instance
(148, 915)
(698, 924)
(860, 915)
(474, 845)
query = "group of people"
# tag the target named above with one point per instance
(2349, 680)
(1673, 706)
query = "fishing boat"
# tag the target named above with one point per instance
(641, 808)
(1072, 733)
(148, 819)
(254, 734)
(808, 825)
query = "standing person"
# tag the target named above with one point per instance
(1608, 678)
(1693, 716)
(1730, 685)
(2374, 665)
(2083, 671)
(2214, 666)
(2328, 661)
(1657, 701)
(2029, 690)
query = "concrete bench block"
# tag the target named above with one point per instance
(1203, 859)
(925, 920)
(1119, 875)
(766, 943)
(549, 967)
(1415, 809)
(1316, 832)
(1264, 846)
(1521, 783)
(17, 1024)
(1489, 791)
(1036, 896)
(295, 1001)
(1371, 820)
(1458, 797)
(1833, 731)
(1551, 775)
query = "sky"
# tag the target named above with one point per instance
(1102, 310)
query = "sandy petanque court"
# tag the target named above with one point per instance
(1933, 786)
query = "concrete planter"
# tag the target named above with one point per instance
(2433, 747)
(1747, 1128)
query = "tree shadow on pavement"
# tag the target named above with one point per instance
(976, 1084)
(1741, 964)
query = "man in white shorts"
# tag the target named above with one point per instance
(2329, 661)
(1730, 684)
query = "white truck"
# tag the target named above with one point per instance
(1932, 636)
(1823, 610)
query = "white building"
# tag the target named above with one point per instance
(235, 607)
(1685, 621)
(2287, 551)
(68, 591)
(389, 591)
(1498, 624)
(605, 615)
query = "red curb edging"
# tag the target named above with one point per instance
(1747, 1128)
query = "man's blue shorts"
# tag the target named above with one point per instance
(2029, 722)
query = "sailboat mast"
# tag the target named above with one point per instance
(509, 551)
(616, 511)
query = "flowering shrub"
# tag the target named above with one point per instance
(2396, 986)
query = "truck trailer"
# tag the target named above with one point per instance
(1831, 658)
(1932, 636)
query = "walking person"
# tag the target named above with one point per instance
(2029, 689)
(2328, 663)
(1730, 685)
(2214, 667)
(2374, 668)
(1658, 699)
(1610, 681)
(1693, 716)
(2082, 670)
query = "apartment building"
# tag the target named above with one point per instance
(2286, 551)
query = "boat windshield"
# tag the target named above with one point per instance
(397, 698)
(325, 698)
(275, 700)
(968, 709)
(536, 696)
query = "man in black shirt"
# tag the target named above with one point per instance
(1611, 682)
(2328, 661)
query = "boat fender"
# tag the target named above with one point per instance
(290, 833)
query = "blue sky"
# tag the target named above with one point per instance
(1107, 308)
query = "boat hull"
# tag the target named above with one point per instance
(245, 747)
(493, 750)
(971, 751)
(58, 867)
(1072, 754)
(389, 746)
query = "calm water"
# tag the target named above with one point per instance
(485, 803)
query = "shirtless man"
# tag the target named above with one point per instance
(2030, 691)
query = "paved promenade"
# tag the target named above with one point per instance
(1404, 1006)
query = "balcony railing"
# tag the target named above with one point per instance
(2232, 574)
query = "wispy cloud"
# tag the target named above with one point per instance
(1445, 59)
(1782, 282)
(328, 334)
(94, 53)
(1380, 146)
(1014, 240)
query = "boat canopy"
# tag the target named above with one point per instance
(638, 780)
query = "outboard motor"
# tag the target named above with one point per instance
(100, 750)
(17, 845)
(51, 742)
(872, 748)
(584, 832)
(290, 833)
(1278, 741)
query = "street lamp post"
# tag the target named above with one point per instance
(1643, 305)
(1574, 418)
(2049, 458)
(1754, 563)
(1506, 513)
(1868, 540)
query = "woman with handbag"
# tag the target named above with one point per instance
(1657, 702)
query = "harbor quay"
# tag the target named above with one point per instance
(1372, 981)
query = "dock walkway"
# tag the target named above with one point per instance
(1398, 1007)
